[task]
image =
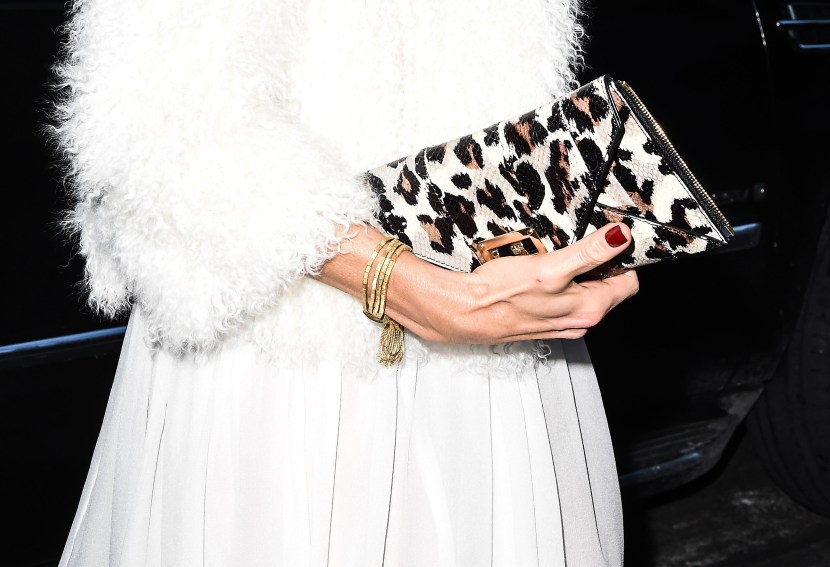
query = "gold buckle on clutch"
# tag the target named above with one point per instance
(522, 242)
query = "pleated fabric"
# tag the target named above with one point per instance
(234, 462)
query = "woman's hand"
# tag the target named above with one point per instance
(504, 300)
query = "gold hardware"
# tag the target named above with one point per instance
(522, 242)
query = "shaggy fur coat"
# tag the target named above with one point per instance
(213, 147)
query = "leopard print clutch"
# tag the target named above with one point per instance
(589, 158)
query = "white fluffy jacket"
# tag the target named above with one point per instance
(213, 146)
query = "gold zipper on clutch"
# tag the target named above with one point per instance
(656, 131)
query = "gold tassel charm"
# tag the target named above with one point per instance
(391, 343)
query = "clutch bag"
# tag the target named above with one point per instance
(543, 180)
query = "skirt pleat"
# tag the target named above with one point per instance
(235, 462)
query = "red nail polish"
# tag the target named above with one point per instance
(615, 237)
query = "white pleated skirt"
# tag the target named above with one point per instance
(235, 462)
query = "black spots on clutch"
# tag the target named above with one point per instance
(461, 210)
(577, 116)
(650, 147)
(531, 219)
(496, 229)
(559, 237)
(528, 116)
(506, 171)
(491, 135)
(439, 231)
(664, 167)
(526, 215)
(530, 185)
(374, 182)
(598, 107)
(461, 180)
(435, 198)
(669, 244)
(640, 194)
(408, 186)
(673, 239)
(646, 193)
(519, 144)
(591, 155)
(436, 153)
(625, 258)
(421, 165)
(558, 175)
(587, 181)
(625, 177)
(624, 155)
(492, 197)
(391, 223)
(679, 208)
(585, 109)
(538, 133)
(524, 135)
(542, 225)
(659, 253)
(598, 218)
(469, 153)
(556, 121)
(403, 237)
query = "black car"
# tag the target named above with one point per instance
(743, 88)
(740, 86)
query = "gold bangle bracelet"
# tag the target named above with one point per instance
(381, 273)
(387, 276)
(374, 298)
(368, 270)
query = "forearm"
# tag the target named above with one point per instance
(422, 297)
(510, 299)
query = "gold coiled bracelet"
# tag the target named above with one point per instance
(383, 259)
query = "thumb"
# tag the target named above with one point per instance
(595, 249)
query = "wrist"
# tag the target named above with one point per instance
(428, 300)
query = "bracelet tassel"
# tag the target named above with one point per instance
(391, 343)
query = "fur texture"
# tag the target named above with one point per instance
(212, 150)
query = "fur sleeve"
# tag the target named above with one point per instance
(197, 194)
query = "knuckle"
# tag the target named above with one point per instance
(571, 334)
(587, 319)
(596, 250)
(594, 318)
(587, 255)
(632, 284)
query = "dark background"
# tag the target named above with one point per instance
(748, 113)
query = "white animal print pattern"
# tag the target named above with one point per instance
(564, 170)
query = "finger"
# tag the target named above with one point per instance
(594, 299)
(614, 290)
(592, 251)
(546, 334)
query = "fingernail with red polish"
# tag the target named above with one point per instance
(615, 237)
